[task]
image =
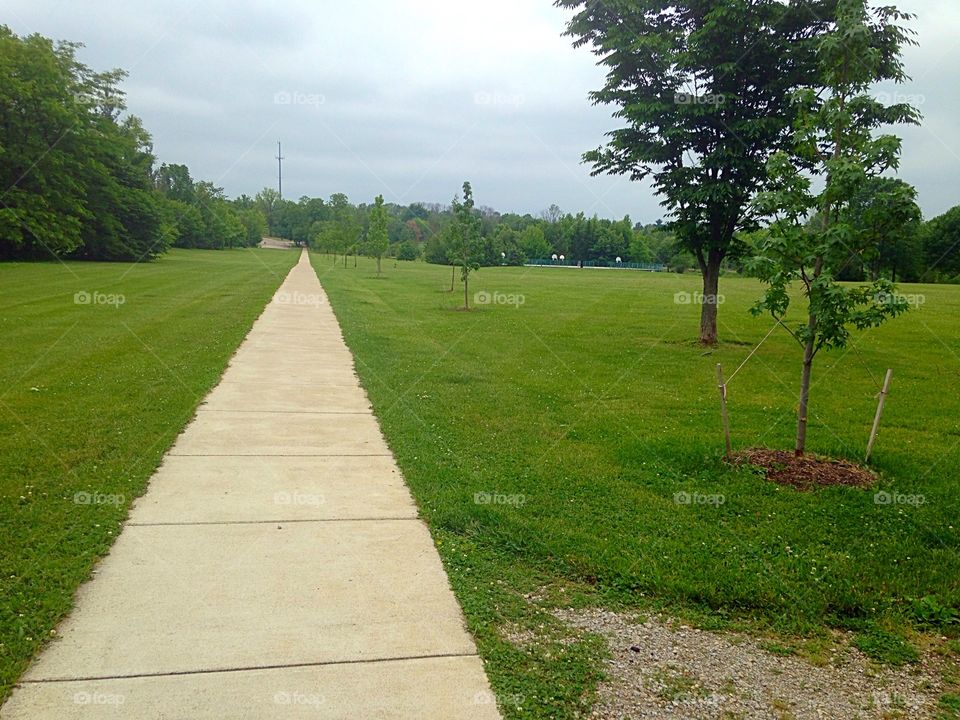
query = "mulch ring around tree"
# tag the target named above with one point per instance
(807, 472)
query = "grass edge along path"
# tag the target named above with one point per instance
(104, 364)
(467, 399)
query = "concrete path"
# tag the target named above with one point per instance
(275, 568)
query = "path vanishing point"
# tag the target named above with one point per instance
(275, 567)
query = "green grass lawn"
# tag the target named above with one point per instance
(546, 443)
(91, 396)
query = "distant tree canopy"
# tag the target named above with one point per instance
(199, 215)
(940, 244)
(418, 230)
(887, 219)
(378, 241)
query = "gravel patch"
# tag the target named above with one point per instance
(660, 669)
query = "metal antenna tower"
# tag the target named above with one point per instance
(279, 171)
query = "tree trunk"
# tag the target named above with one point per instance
(710, 267)
(466, 292)
(378, 265)
(808, 352)
(453, 276)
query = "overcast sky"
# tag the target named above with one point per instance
(411, 98)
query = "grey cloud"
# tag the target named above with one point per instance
(411, 99)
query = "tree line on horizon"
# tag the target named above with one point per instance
(423, 231)
(910, 250)
(82, 182)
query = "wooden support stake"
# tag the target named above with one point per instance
(723, 409)
(876, 420)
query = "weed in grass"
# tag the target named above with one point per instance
(931, 611)
(885, 646)
(778, 649)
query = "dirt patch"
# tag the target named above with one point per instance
(660, 669)
(807, 472)
(276, 243)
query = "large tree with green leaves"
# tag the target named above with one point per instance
(887, 218)
(836, 141)
(267, 201)
(339, 232)
(703, 88)
(465, 246)
(174, 182)
(940, 238)
(75, 178)
(378, 239)
(42, 106)
(533, 243)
